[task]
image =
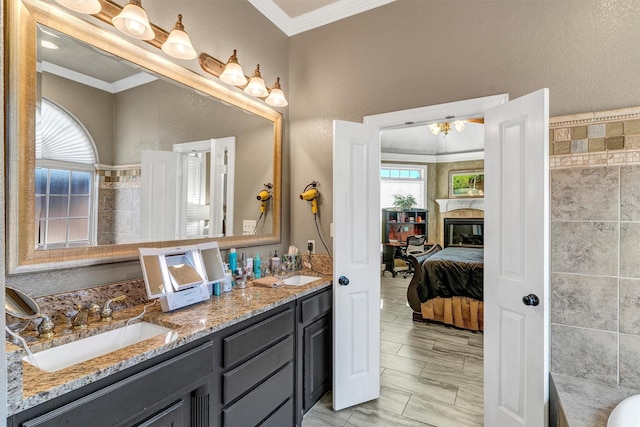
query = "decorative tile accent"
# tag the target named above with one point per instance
(586, 301)
(614, 129)
(580, 145)
(596, 131)
(562, 134)
(584, 353)
(615, 143)
(597, 144)
(632, 127)
(578, 132)
(561, 147)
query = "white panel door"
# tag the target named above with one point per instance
(222, 190)
(516, 281)
(356, 264)
(161, 180)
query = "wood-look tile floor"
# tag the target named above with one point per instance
(430, 375)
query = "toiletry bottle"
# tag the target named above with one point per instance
(227, 282)
(275, 263)
(233, 260)
(243, 262)
(249, 267)
(257, 264)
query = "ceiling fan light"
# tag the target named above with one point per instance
(232, 73)
(276, 96)
(89, 7)
(178, 44)
(434, 128)
(256, 86)
(133, 21)
(459, 125)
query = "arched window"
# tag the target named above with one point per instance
(65, 174)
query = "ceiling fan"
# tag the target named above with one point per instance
(447, 125)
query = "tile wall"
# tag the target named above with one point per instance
(595, 251)
(119, 206)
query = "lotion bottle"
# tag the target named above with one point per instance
(275, 263)
(233, 260)
(257, 263)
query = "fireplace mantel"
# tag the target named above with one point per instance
(447, 205)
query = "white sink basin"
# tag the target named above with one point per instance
(65, 355)
(299, 280)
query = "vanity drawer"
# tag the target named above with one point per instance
(255, 338)
(261, 401)
(247, 375)
(282, 417)
(316, 305)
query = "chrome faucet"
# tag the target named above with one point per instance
(81, 319)
(46, 328)
(106, 312)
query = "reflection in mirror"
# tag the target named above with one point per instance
(115, 161)
(91, 213)
(22, 306)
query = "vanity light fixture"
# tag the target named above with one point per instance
(256, 86)
(133, 21)
(89, 7)
(276, 96)
(232, 73)
(178, 44)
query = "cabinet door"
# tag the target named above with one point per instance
(173, 416)
(317, 361)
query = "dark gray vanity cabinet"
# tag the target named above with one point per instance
(172, 389)
(314, 356)
(256, 365)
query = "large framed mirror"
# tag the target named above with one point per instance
(112, 147)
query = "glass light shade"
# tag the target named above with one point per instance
(276, 96)
(434, 128)
(178, 44)
(133, 21)
(459, 125)
(256, 86)
(232, 73)
(89, 7)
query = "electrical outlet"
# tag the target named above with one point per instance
(248, 226)
(311, 246)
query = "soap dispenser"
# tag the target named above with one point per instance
(275, 263)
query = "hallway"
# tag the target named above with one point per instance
(430, 375)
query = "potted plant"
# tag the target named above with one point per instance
(403, 203)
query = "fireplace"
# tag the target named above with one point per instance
(464, 232)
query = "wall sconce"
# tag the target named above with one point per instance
(133, 21)
(88, 7)
(276, 96)
(232, 73)
(178, 44)
(256, 86)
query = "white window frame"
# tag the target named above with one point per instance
(422, 167)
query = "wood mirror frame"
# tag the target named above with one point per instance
(20, 34)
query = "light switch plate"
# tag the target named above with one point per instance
(248, 226)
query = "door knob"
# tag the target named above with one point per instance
(530, 299)
(343, 280)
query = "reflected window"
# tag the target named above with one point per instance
(65, 176)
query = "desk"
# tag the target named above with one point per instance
(391, 251)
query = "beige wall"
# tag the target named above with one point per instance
(442, 51)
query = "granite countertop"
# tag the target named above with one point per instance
(29, 386)
(587, 403)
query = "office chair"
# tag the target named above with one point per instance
(415, 246)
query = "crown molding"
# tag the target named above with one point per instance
(432, 158)
(631, 113)
(317, 18)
